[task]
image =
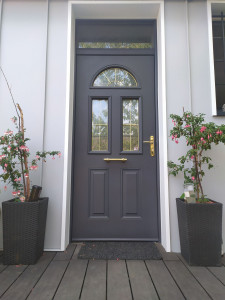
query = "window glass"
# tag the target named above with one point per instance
(129, 34)
(130, 125)
(115, 77)
(99, 125)
(219, 62)
(109, 45)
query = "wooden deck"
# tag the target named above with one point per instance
(62, 276)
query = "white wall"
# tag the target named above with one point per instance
(189, 86)
(201, 96)
(33, 56)
(178, 92)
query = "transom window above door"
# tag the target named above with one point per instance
(115, 77)
(115, 34)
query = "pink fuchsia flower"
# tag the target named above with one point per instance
(22, 198)
(186, 126)
(9, 132)
(14, 193)
(173, 137)
(33, 167)
(9, 148)
(24, 148)
(5, 165)
(203, 128)
(5, 188)
(2, 156)
(192, 157)
(174, 123)
(26, 175)
(59, 154)
(37, 156)
(53, 157)
(193, 178)
(188, 116)
(18, 192)
(209, 136)
(176, 141)
(13, 119)
(219, 132)
(17, 179)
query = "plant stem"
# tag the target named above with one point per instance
(27, 195)
(24, 181)
(10, 94)
(196, 169)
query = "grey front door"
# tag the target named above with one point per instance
(115, 173)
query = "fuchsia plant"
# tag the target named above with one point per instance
(14, 156)
(199, 137)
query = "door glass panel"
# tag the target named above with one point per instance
(115, 77)
(109, 45)
(99, 125)
(130, 125)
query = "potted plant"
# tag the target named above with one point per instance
(24, 217)
(200, 223)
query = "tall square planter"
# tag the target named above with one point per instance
(23, 231)
(200, 229)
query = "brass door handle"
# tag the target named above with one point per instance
(115, 159)
(152, 145)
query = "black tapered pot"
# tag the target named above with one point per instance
(200, 229)
(23, 231)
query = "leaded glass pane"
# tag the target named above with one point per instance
(99, 125)
(115, 77)
(130, 125)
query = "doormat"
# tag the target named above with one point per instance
(119, 250)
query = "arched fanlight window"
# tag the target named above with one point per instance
(115, 77)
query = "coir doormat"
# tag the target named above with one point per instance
(119, 250)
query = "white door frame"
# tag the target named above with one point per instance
(117, 10)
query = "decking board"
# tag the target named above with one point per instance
(95, 281)
(219, 272)
(67, 254)
(166, 255)
(165, 285)
(9, 275)
(71, 285)
(118, 286)
(48, 283)
(208, 281)
(191, 289)
(63, 276)
(141, 283)
(21, 288)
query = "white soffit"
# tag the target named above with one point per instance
(139, 10)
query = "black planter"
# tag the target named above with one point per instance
(23, 231)
(200, 228)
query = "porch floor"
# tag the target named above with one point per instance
(62, 276)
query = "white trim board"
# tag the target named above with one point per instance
(117, 10)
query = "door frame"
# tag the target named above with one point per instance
(117, 10)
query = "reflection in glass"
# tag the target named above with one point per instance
(99, 125)
(115, 77)
(130, 125)
(110, 45)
